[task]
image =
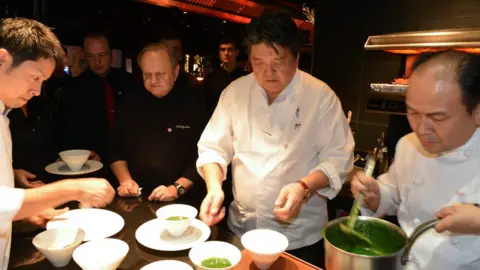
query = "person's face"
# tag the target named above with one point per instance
(19, 84)
(158, 74)
(228, 53)
(436, 112)
(175, 46)
(273, 69)
(98, 55)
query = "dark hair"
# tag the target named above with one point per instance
(228, 41)
(465, 68)
(97, 35)
(273, 29)
(29, 40)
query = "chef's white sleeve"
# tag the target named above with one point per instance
(335, 143)
(216, 143)
(12, 200)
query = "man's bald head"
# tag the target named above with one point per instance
(460, 67)
(443, 99)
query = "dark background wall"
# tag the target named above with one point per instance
(341, 29)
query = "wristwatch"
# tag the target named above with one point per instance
(308, 191)
(180, 189)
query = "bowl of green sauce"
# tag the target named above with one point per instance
(344, 251)
(176, 218)
(215, 255)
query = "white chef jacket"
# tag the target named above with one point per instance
(302, 131)
(417, 185)
(11, 198)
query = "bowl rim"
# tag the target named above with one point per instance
(94, 241)
(363, 218)
(74, 243)
(237, 250)
(71, 150)
(176, 205)
(242, 240)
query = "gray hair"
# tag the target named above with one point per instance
(158, 46)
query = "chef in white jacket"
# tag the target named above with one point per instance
(286, 136)
(437, 165)
(28, 55)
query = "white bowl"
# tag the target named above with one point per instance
(217, 249)
(264, 246)
(167, 264)
(75, 159)
(105, 254)
(176, 227)
(57, 245)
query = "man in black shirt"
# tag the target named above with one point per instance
(221, 77)
(154, 142)
(88, 105)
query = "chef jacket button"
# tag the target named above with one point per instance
(419, 182)
(468, 153)
(285, 146)
(417, 222)
(456, 242)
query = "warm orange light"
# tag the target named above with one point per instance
(421, 50)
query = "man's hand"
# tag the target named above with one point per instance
(24, 179)
(211, 210)
(164, 194)
(128, 188)
(459, 218)
(370, 189)
(43, 217)
(289, 201)
(94, 156)
(94, 192)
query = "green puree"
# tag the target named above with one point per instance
(177, 218)
(385, 240)
(215, 262)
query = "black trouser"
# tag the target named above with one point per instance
(313, 254)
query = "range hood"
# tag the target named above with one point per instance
(466, 39)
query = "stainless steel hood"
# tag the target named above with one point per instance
(425, 40)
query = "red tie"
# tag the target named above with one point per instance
(109, 102)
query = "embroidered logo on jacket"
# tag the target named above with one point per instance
(182, 126)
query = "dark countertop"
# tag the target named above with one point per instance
(135, 212)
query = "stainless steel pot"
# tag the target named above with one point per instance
(339, 259)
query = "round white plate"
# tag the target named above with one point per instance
(152, 234)
(62, 169)
(167, 264)
(97, 223)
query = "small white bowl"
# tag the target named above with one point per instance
(167, 264)
(264, 246)
(57, 245)
(217, 249)
(105, 254)
(176, 227)
(75, 159)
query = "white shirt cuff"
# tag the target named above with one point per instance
(206, 158)
(12, 200)
(333, 178)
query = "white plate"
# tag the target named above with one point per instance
(97, 223)
(62, 169)
(153, 234)
(167, 264)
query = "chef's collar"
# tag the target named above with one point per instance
(4, 110)
(468, 150)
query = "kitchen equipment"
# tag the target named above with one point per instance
(341, 253)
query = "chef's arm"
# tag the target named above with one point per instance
(215, 147)
(120, 170)
(335, 143)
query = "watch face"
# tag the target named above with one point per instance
(180, 189)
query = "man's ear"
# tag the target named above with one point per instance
(476, 114)
(5, 60)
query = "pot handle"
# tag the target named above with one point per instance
(416, 233)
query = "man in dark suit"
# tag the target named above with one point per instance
(88, 104)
